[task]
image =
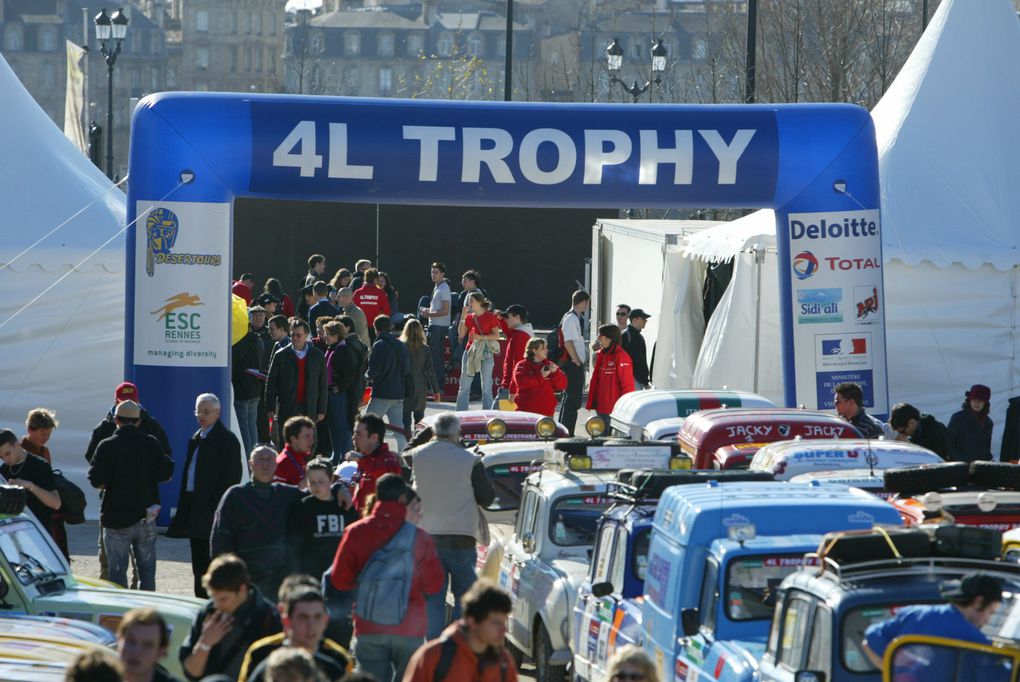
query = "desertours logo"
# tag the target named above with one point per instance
(180, 326)
(161, 230)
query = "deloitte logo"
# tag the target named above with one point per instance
(805, 264)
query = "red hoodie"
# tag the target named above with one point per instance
(517, 343)
(364, 538)
(373, 302)
(613, 376)
(290, 466)
(370, 469)
(536, 393)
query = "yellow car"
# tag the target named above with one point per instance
(916, 657)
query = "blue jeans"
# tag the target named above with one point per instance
(384, 656)
(437, 334)
(339, 427)
(248, 421)
(138, 541)
(393, 411)
(459, 565)
(464, 392)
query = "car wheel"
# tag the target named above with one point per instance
(543, 652)
(995, 475)
(923, 479)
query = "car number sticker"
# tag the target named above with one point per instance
(593, 638)
(603, 647)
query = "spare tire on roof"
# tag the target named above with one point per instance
(995, 475)
(576, 446)
(927, 477)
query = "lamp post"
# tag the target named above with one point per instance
(110, 28)
(614, 62)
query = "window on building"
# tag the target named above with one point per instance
(317, 42)
(156, 46)
(154, 79)
(171, 78)
(136, 77)
(475, 45)
(14, 37)
(445, 45)
(232, 50)
(134, 42)
(554, 57)
(49, 76)
(415, 44)
(233, 22)
(47, 39)
(258, 60)
(202, 57)
(247, 57)
(256, 23)
(501, 46)
(385, 81)
(246, 21)
(271, 61)
(387, 41)
(271, 24)
(352, 43)
(352, 82)
(638, 50)
(699, 48)
(202, 21)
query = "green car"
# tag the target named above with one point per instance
(36, 579)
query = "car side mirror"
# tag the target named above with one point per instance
(528, 543)
(602, 589)
(690, 622)
(809, 676)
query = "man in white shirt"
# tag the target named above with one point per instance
(572, 360)
(438, 315)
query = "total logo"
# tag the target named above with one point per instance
(806, 264)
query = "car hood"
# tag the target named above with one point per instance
(574, 568)
(16, 625)
(116, 601)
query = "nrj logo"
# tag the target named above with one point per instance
(805, 264)
(161, 230)
(178, 325)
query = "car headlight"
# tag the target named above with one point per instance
(595, 426)
(986, 502)
(680, 462)
(496, 428)
(932, 502)
(545, 427)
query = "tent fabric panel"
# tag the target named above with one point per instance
(682, 321)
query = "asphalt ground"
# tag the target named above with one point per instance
(173, 556)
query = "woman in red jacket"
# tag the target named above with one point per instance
(613, 375)
(536, 379)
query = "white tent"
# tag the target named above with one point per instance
(949, 173)
(63, 350)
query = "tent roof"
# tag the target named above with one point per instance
(947, 140)
(46, 181)
(726, 241)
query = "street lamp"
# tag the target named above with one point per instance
(614, 62)
(110, 28)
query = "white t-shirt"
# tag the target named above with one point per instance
(441, 293)
(571, 326)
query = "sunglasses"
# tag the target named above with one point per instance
(627, 677)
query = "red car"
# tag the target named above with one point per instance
(486, 426)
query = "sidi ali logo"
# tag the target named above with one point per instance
(180, 325)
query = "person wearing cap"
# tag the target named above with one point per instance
(970, 430)
(632, 342)
(518, 331)
(128, 467)
(972, 601)
(848, 399)
(270, 303)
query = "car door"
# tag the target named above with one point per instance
(587, 609)
(623, 615)
(511, 566)
(802, 642)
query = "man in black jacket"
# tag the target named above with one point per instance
(634, 344)
(245, 357)
(322, 306)
(388, 367)
(920, 429)
(128, 467)
(297, 366)
(212, 465)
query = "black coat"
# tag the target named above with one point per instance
(388, 365)
(246, 354)
(931, 434)
(1010, 451)
(969, 439)
(267, 347)
(281, 386)
(321, 309)
(634, 343)
(218, 467)
(128, 466)
(106, 428)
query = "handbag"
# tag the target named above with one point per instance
(72, 499)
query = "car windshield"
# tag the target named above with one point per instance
(752, 581)
(573, 519)
(641, 542)
(28, 552)
(507, 482)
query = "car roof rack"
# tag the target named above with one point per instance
(649, 484)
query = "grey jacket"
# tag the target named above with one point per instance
(423, 372)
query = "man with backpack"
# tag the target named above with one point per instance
(472, 648)
(569, 352)
(392, 566)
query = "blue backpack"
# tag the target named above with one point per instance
(384, 585)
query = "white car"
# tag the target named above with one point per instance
(789, 458)
(638, 409)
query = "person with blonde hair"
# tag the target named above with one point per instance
(481, 328)
(39, 426)
(423, 373)
(632, 664)
(536, 379)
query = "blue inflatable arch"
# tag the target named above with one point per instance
(192, 154)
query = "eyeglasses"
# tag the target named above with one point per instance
(202, 413)
(626, 677)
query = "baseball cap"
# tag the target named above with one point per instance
(308, 290)
(126, 391)
(637, 312)
(128, 409)
(257, 309)
(517, 309)
(266, 299)
(971, 586)
(980, 392)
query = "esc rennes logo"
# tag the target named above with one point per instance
(161, 229)
(177, 325)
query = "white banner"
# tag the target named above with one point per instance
(836, 287)
(182, 285)
(74, 97)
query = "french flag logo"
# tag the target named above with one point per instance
(844, 346)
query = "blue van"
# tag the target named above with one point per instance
(717, 555)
